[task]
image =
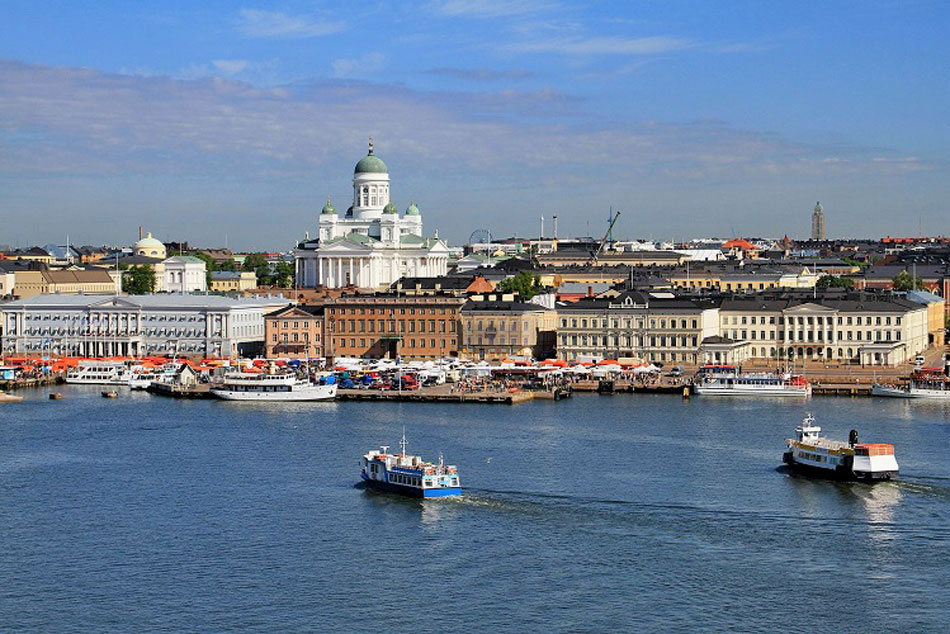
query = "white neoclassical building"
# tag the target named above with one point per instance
(184, 274)
(372, 245)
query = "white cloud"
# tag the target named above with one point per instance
(606, 45)
(230, 66)
(366, 65)
(256, 23)
(491, 8)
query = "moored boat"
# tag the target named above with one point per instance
(242, 386)
(726, 380)
(811, 453)
(409, 475)
(100, 373)
(928, 383)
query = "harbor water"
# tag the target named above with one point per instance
(596, 514)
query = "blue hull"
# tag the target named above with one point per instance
(412, 491)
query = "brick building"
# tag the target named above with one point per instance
(391, 326)
(295, 332)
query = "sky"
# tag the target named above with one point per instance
(230, 123)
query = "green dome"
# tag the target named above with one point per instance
(370, 164)
(328, 208)
(412, 210)
(390, 208)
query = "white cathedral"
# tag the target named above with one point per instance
(371, 246)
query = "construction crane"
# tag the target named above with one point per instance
(600, 247)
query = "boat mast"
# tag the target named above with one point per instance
(403, 443)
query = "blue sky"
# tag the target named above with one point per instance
(234, 121)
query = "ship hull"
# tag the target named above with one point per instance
(842, 472)
(709, 390)
(914, 392)
(316, 393)
(413, 492)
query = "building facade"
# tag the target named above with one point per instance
(233, 281)
(184, 274)
(865, 329)
(294, 332)
(393, 327)
(371, 245)
(655, 327)
(136, 326)
(494, 330)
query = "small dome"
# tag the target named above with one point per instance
(149, 247)
(412, 210)
(390, 208)
(328, 208)
(370, 164)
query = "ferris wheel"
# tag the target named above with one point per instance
(480, 236)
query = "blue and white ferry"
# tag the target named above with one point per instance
(409, 475)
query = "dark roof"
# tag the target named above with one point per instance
(459, 282)
(315, 311)
(497, 306)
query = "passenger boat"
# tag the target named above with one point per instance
(99, 373)
(241, 386)
(810, 453)
(142, 378)
(927, 383)
(409, 475)
(726, 380)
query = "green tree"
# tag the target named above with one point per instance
(904, 281)
(258, 263)
(138, 280)
(833, 281)
(284, 274)
(524, 284)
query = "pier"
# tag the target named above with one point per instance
(445, 394)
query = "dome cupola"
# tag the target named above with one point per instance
(390, 208)
(328, 208)
(370, 164)
(412, 210)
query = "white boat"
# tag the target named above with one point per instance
(141, 378)
(242, 386)
(725, 380)
(100, 373)
(927, 383)
(813, 454)
(409, 475)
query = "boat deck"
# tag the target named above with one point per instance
(825, 443)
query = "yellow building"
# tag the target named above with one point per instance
(29, 283)
(494, 330)
(233, 281)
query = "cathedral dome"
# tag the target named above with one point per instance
(390, 208)
(412, 210)
(370, 164)
(328, 208)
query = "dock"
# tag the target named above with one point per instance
(201, 390)
(444, 394)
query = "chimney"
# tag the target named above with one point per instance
(590, 291)
(140, 232)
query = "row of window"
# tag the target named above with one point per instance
(409, 343)
(662, 341)
(296, 337)
(389, 311)
(812, 321)
(594, 322)
(810, 335)
(481, 325)
(370, 325)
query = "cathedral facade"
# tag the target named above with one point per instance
(371, 245)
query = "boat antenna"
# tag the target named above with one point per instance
(403, 443)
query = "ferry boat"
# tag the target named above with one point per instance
(927, 383)
(242, 386)
(409, 475)
(100, 373)
(726, 380)
(811, 453)
(142, 378)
